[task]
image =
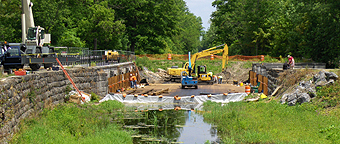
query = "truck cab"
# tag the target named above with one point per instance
(11, 59)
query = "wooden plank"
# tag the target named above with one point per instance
(161, 91)
(254, 79)
(265, 85)
(145, 91)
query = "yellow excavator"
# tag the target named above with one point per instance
(112, 56)
(175, 72)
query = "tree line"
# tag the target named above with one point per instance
(142, 26)
(306, 29)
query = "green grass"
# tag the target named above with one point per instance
(328, 96)
(262, 122)
(71, 123)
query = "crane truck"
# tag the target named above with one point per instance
(34, 37)
(31, 50)
(203, 76)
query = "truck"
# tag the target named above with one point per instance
(15, 58)
(33, 49)
(34, 38)
(11, 59)
(175, 72)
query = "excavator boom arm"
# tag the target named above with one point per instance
(211, 51)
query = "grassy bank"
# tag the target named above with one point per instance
(71, 123)
(272, 122)
(268, 121)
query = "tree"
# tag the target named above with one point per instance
(100, 27)
(148, 23)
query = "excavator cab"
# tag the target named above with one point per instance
(203, 76)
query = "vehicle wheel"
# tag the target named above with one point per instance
(196, 86)
(34, 67)
(172, 80)
(46, 66)
(183, 86)
(8, 69)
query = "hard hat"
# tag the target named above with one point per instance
(288, 55)
(130, 74)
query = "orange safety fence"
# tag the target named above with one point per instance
(185, 57)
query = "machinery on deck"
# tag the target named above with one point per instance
(188, 81)
(203, 76)
(112, 56)
(175, 73)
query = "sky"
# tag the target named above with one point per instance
(201, 8)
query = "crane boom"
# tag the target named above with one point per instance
(27, 10)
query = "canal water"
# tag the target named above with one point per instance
(170, 126)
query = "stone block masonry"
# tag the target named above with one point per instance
(24, 96)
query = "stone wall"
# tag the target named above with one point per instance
(271, 74)
(24, 96)
(272, 70)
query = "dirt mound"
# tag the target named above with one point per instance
(153, 78)
(238, 71)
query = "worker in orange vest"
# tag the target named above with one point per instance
(133, 81)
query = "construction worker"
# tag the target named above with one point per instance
(132, 81)
(291, 61)
(215, 78)
(220, 79)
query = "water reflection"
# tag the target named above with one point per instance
(171, 126)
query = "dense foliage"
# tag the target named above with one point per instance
(143, 26)
(306, 29)
(302, 28)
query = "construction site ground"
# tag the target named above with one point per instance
(173, 89)
(159, 83)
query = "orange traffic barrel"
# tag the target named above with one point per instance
(262, 57)
(247, 89)
(212, 57)
(169, 56)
